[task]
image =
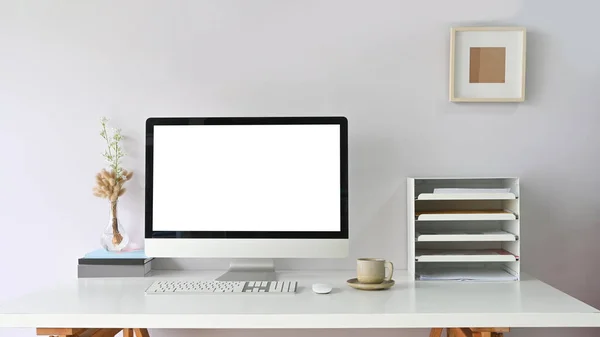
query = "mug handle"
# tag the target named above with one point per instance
(389, 266)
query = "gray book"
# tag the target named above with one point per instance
(88, 271)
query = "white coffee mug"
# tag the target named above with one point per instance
(372, 271)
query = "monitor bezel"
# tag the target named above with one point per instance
(333, 120)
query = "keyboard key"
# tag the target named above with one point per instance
(272, 286)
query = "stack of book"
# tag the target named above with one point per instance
(101, 263)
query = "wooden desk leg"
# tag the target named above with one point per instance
(141, 332)
(477, 332)
(436, 332)
(490, 332)
(105, 333)
(458, 332)
(82, 332)
(59, 331)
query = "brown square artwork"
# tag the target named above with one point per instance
(487, 65)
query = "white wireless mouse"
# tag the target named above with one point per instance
(321, 288)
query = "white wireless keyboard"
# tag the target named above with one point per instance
(202, 287)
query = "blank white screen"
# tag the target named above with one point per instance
(246, 178)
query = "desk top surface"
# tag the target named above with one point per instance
(121, 302)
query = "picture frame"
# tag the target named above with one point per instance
(487, 64)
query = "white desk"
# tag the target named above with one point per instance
(119, 303)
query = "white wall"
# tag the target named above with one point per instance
(383, 64)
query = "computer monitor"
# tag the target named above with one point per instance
(247, 188)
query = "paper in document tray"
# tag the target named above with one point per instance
(466, 196)
(465, 236)
(485, 255)
(466, 274)
(450, 215)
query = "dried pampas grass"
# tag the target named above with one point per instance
(109, 185)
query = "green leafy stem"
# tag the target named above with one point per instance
(114, 152)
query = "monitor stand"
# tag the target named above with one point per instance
(250, 270)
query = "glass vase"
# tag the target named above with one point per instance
(114, 238)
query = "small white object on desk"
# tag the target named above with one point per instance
(321, 288)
